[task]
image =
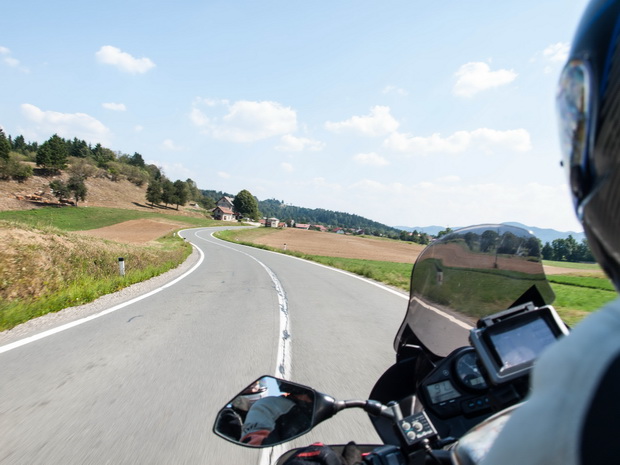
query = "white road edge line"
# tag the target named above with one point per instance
(50, 332)
(269, 455)
(283, 360)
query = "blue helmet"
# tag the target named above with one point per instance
(588, 103)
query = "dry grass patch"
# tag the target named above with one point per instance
(47, 270)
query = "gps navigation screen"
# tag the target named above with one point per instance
(522, 344)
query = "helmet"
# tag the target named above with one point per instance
(588, 104)
(249, 395)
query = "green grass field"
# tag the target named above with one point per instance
(85, 218)
(577, 266)
(577, 294)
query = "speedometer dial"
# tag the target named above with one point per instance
(468, 371)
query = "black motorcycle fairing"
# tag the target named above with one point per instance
(466, 275)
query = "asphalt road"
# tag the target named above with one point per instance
(143, 384)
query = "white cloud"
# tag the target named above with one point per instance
(371, 159)
(172, 170)
(449, 179)
(290, 143)
(287, 167)
(553, 55)
(246, 121)
(9, 60)
(477, 76)
(557, 53)
(198, 117)
(67, 125)
(394, 90)
(461, 204)
(223, 175)
(378, 123)
(138, 128)
(114, 106)
(209, 102)
(168, 144)
(124, 61)
(479, 139)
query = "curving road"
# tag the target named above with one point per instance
(142, 384)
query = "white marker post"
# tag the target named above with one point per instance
(121, 265)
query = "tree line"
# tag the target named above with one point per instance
(329, 218)
(567, 250)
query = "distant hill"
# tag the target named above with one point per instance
(544, 234)
(430, 230)
(278, 209)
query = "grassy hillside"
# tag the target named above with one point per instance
(44, 267)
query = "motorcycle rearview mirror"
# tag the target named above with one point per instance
(271, 411)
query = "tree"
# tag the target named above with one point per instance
(154, 172)
(444, 232)
(59, 189)
(167, 192)
(509, 243)
(181, 193)
(76, 186)
(246, 205)
(488, 241)
(52, 154)
(5, 146)
(103, 155)
(137, 160)
(79, 148)
(83, 168)
(562, 249)
(19, 144)
(153, 192)
(547, 252)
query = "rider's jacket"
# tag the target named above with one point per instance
(572, 415)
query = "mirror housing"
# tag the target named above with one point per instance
(271, 411)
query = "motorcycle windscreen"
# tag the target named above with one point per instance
(466, 275)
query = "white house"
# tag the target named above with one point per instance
(223, 214)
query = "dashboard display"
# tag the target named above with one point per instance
(468, 372)
(522, 344)
(442, 391)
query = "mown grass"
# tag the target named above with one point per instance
(577, 266)
(576, 295)
(45, 269)
(85, 218)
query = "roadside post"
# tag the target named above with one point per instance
(121, 265)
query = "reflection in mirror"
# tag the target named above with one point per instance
(269, 411)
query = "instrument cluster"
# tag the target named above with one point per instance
(457, 386)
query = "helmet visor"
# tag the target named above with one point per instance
(574, 114)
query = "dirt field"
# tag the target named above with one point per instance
(340, 245)
(134, 231)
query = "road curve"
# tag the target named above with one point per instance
(143, 384)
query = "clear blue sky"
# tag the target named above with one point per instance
(406, 112)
